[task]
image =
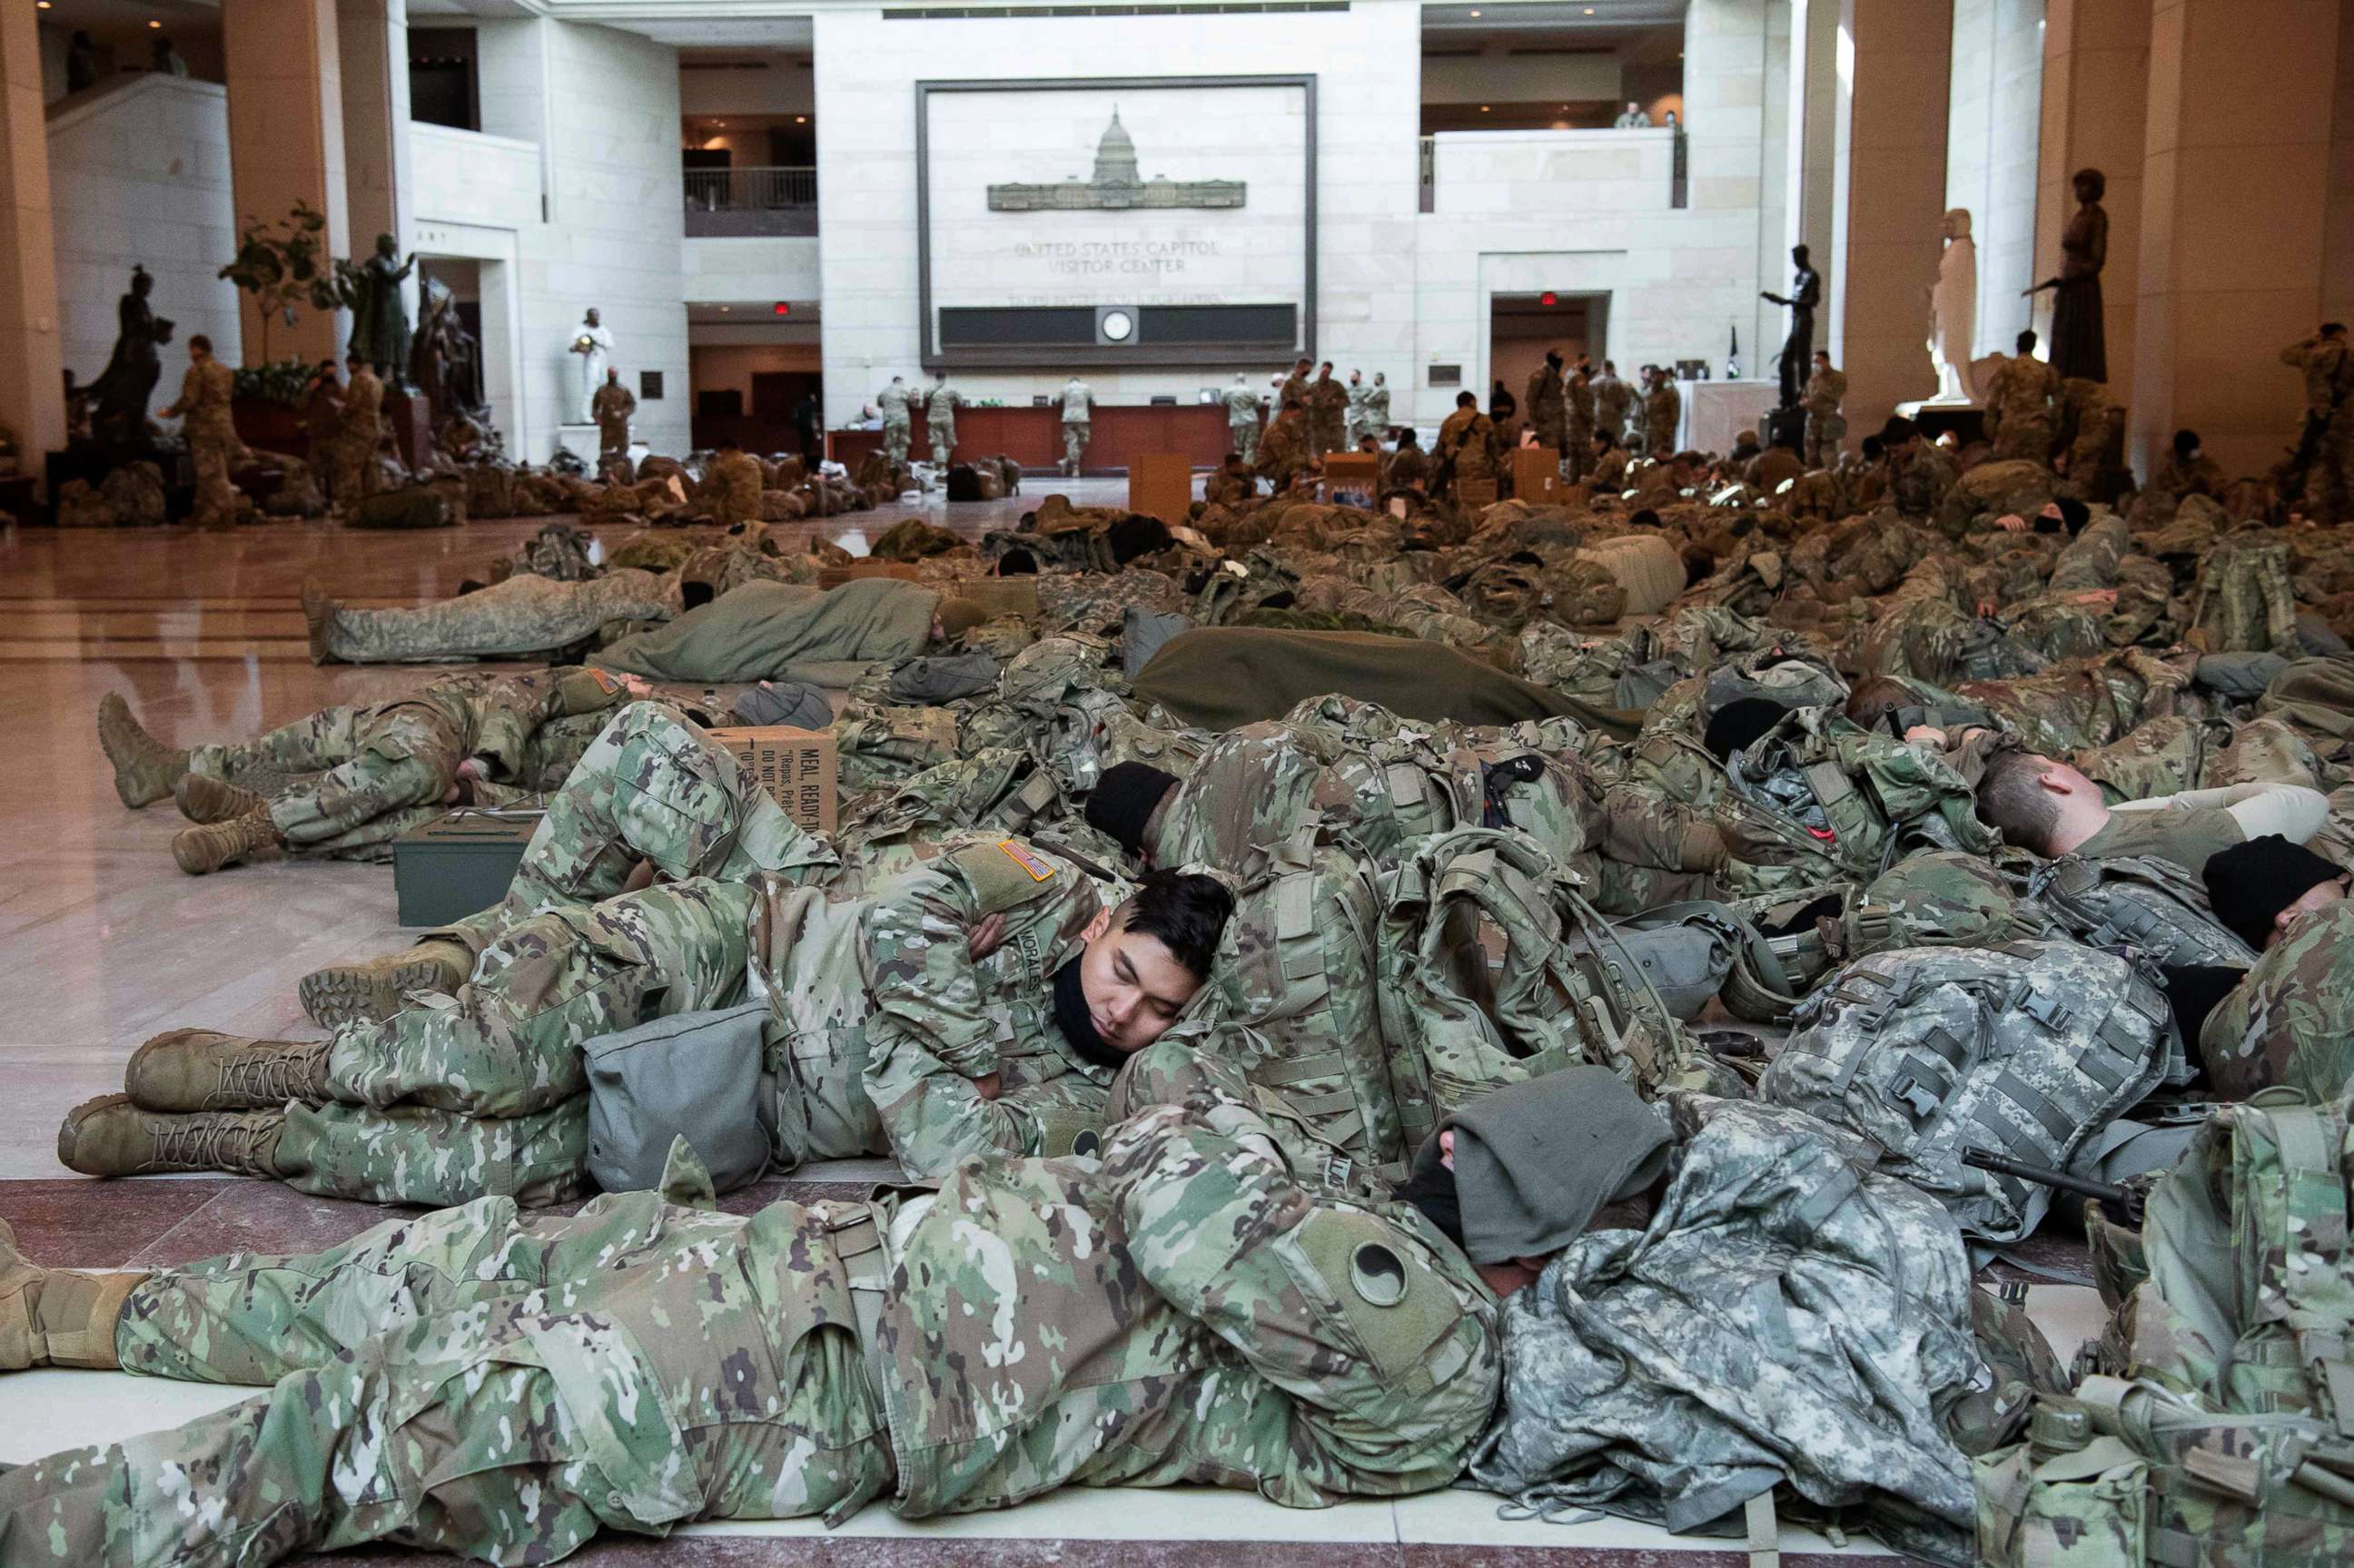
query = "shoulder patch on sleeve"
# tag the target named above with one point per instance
(1397, 1309)
(1003, 872)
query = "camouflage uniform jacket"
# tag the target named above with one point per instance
(888, 1017)
(2024, 388)
(1612, 398)
(2326, 366)
(496, 719)
(1546, 403)
(1826, 390)
(1468, 437)
(2292, 1019)
(737, 478)
(1663, 409)
(1923, 479)
(206, 392)
(1188, 1309)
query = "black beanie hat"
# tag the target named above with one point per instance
(1739, 723)
(1123, 801)
(2073, 515)
(2250, 884)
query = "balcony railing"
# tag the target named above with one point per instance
(759, 201)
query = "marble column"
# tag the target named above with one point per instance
(1896, 59)
(286, 144)
(2235, 193)
(1815, 103)
(32, 388)
(2096, 95)
(1991, 154)
(374, 38)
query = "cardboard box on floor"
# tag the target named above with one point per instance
(800, 768)
(835, 577)
(1536, 475)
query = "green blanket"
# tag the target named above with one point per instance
(2316, 696)
(1220, 677)
(761, 630)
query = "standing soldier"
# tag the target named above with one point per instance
(1283, 450)
(2328, 378)
(1328, 408)
(1356, 407)
(1663, 412)
(1293, 388)
(1826, 426)
(1467, 444)
(1242, 417)
(939, 417)
(1547, 407)
(1612, 398)
(899, 428)
(1577, 424)
(203, 405)
(1078, 415)
(1377, 406)
(612, 407)
(322, 418)
(363, 433)
(2020, 405)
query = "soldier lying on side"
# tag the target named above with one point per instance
(1204, 1303)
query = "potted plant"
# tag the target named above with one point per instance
(284, 266)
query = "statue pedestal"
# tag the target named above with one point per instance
(582, 441)
(411, 421)
(1965, 420)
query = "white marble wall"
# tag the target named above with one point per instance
(599, 110)
(751, 270)
(141, 175)
(1367, 62)
(1995, 120)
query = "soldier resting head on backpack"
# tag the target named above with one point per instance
(2040, 804)
(1142, 962)
(1518, 1174)
(1130, 803)
(2291, 1022)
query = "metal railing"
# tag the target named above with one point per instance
(761, 200)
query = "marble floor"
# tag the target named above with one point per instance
(103, 942)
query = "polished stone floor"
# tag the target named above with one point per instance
(103, 942)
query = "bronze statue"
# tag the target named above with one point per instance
(2079, 342)
(446, 362)
(119, 396)
(379, 323)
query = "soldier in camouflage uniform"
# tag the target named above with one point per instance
(524, 616)
(1577, 424)
(1826, 426)
(2022, 404)
(1283, 455)
(1242, 417)
(1921, 471)
(2314, 477)
(1213, 1299)
(206, 392)
(898, 426)
(896, 1012)
(373, 772)
(1663, 410)
(1328, 408)
(1546, 403)
(735, 479)
(362, 419)
(2291, 1020)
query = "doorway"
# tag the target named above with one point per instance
(1522, 327)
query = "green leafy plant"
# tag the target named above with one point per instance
(284, 266)
(286, 382)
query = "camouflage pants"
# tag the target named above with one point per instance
(525, 614)
(2169, 756)
(943, 443)
(477, 1382)
(369, 763)
(896, 438)
(355, 470)
(1824, 434)
(485, 1092)
(1577, 450)
(2025, 438)
(1074, 442)
(651, 787)
(1246, 440)
(216, 496)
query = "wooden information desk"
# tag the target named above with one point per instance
(1032, 436)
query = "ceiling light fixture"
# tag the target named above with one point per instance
(801, 119)
(154, 24)
(1483, 109)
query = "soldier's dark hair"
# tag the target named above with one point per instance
(1466, 400)
(1642, 517)
(1184, 911)
(2185, 443)
(1875, 699)
(1897, 431)
(2013, 802)
(1873, 450)
(201, 341)
(1606, 438)
(2025, 343)
(2333, 329)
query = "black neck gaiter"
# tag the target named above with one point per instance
(1071, 1018)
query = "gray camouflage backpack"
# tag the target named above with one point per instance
(2023, 1050)
(1296, 965)
(2141, 902)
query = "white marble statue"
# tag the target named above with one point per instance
(593, 341)
(1953, 312)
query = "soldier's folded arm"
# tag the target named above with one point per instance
(931, 1035)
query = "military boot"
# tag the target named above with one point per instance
(203, 799)
(372, 992)
(144, 768)
(213, 845)
(318, 618)
(198, 1070)
(57, 1316)
(110, 1136)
